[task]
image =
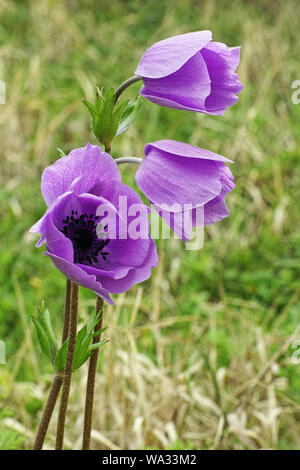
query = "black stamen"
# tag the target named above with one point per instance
(82, 233)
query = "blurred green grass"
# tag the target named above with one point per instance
(52, 55)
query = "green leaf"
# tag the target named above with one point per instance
(99, 103)
(81, 352)
(110, 120)
(97, 345)
(48, 328)
(99, 332)
(60, 152)
(83, 345)
(42, 338)
(92, 322)
(60, 361)
(92, 109)
(95, 117)
(107, 116)
(129, 115)
(117, 116)
(45, 333)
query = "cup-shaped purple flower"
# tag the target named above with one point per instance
(192, 73)
(186, 185)
(81, 189)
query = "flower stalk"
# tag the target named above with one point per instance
(52, 399)
(89, 401)
(125, 85)
(121, 160)
(68, 368)
(67, 311)
(57, 381)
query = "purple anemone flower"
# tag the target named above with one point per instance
(190, 72)
(186, 185)
(74, 188)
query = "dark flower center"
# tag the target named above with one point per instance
(81, 230)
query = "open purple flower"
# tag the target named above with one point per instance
(186, 185)
(74, 188)
(190, 72)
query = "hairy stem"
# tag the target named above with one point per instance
(68, 369)
(67, 311)
(57, 381)
(125, 85)
(89, 400)
(52, 399)
(121, 160)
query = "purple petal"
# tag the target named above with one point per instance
(187, 88)
(83, 203)
(169, 178)
(51, 224)
(179, 221)
(75, 274)
(77, 187)
(215, 211)
(168, 103)
(125, 250)
(167, 56)
(116, 272)
(79, 171)
(135, 275)
(182, 149)
(56, 241)
(221, 62)
(181, 180)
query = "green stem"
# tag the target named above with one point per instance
(68, 369)
(125, 85)
(89, 400)
(57, 381)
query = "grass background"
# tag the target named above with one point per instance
(200, 356)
